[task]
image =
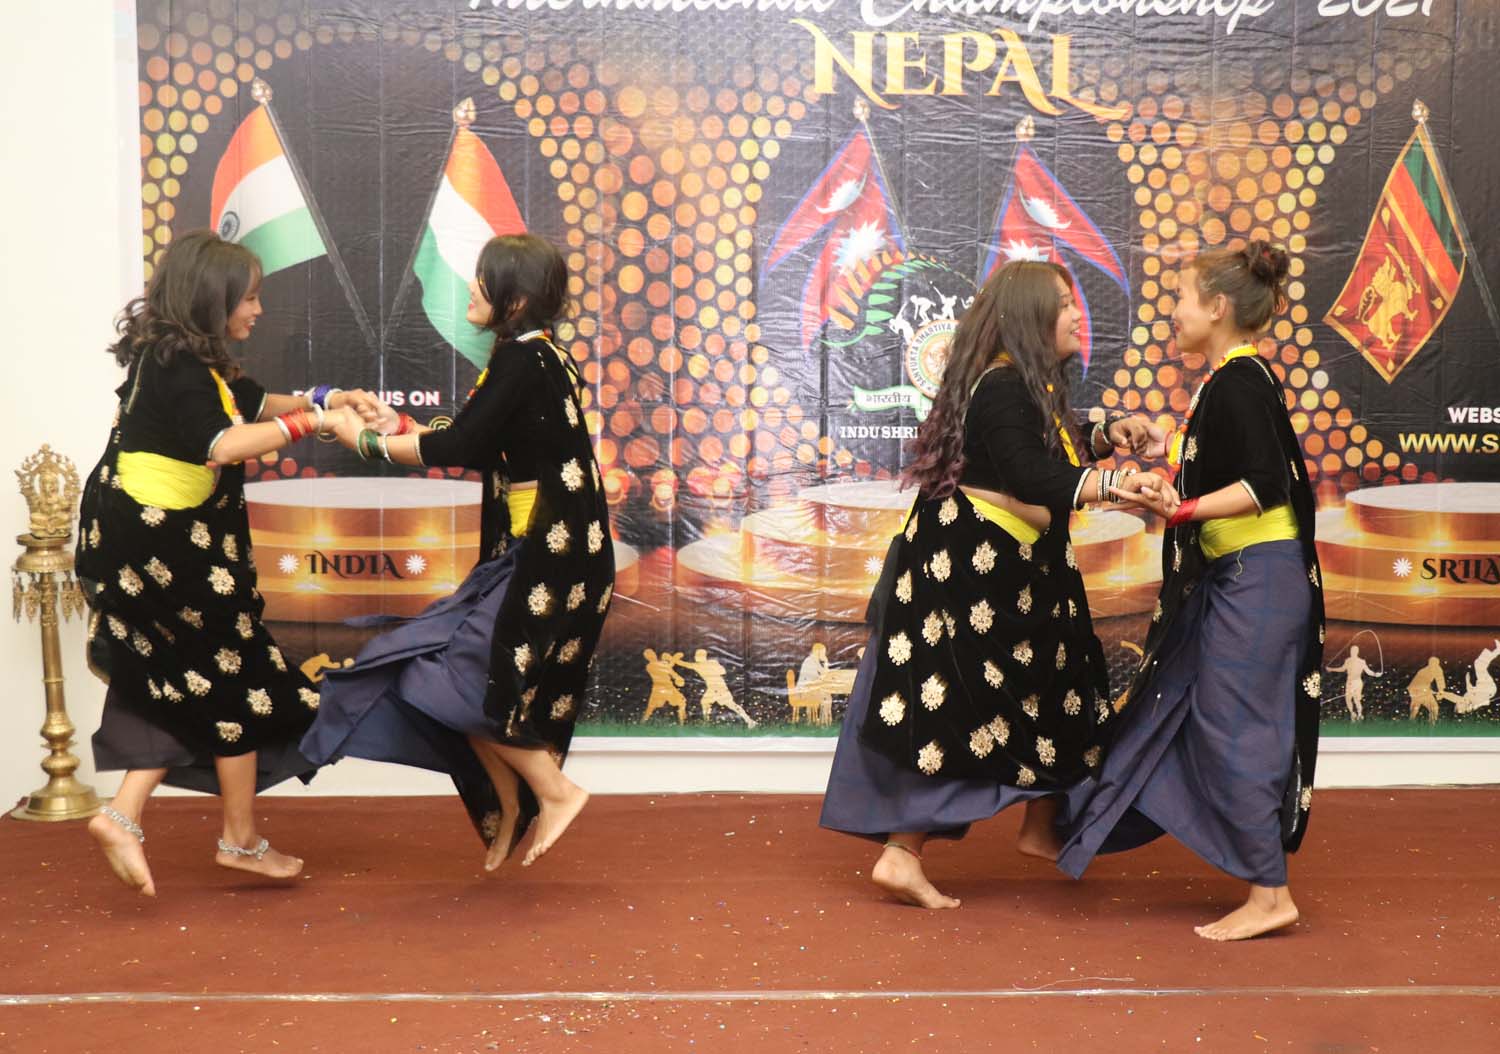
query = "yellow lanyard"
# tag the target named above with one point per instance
(1174, 455)
(226, 399)
(478, 384)
(1069, 450)
(534, 334)
(1067, 440)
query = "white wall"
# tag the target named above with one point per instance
(71, 260)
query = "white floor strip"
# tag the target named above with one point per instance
(767, 996)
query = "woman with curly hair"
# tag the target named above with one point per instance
(1217, 742)
(984, 684)
(200, 695)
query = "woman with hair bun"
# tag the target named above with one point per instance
(984, 685)
(487, 684)
(1218, 738)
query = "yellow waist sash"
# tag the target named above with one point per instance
(1230, 534)
(1007, 521)
(164, 482)
(520, 503)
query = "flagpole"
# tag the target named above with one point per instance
(1025, 133)
(1419, 113)
(862, 115)
(464, 115)
(260, 91)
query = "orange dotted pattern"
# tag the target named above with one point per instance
(1213, 169)
(659, 174)
(660, 186)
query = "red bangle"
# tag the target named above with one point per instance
(408, 425)
(1184, 513)
(298, 423)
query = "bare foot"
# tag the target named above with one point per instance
(553, 817)
(507, 784)
(272, 865)
(510, 815)
(505, 840)
(1044, 845)
(900, 874)
(1038, 836)
(1264, 911)
(126, 855)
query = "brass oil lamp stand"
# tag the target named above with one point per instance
(44, 583)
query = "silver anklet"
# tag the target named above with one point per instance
(235, 850)
(131, 827)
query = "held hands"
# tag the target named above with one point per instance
(345, 423)
(371, 410)
(1138, 435)
(1149, 491)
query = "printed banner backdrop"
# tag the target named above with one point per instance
(774, 212)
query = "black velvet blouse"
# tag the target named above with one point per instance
(1005, 449)
(503, 416)
(176, 411)
(1237, 441)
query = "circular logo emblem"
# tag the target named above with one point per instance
(927, 355)
(229, 226)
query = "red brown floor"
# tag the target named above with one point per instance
(732, 923)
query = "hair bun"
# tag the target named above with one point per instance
(1268, 263)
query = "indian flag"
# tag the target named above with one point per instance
(473, 203)
(257, 201)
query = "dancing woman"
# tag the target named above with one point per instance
(200, 696)
(1217, 742)
(487, 684)
(984, 684)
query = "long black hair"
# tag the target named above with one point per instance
(525, 279)
(198, 283)
(1015, 312)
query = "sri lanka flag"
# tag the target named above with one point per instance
(1410, 266)
(473, 204)
(257, 200)
(847, 215)
(1036, 218)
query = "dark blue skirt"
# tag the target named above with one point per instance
(1205, 752)
(128, 739)
(870, 796)
(416, 693)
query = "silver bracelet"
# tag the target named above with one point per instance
(1100, 428)
(385, 451)
(286, 432)
(318, 410)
